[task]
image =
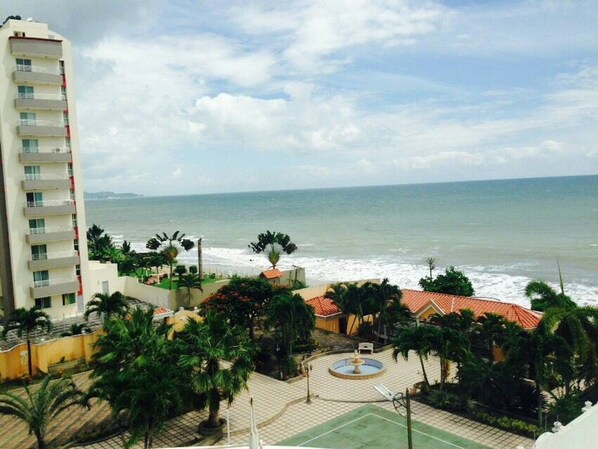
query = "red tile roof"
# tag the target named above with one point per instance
(274, 273)
(323, 307)
(418, 301)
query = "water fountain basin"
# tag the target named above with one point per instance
(345, 368)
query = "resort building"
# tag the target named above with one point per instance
(43, 245)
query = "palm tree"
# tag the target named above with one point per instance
(382, 295)
(414, 338)
(38, 408)
(273, 244)
(543, 296)
(76, 329)
(107, 305)
(189, 281)
(206, 346)
(347, 297)
(26, 321)
(136, 373)
(169, 245)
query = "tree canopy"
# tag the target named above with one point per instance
(452, 282)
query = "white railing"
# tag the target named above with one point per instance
(36, 122)
(46, 203)
(54, 255)
(38, 96)
(36, 69)
(45, 177)
(53, 281)
(48, 230)
(45, 150)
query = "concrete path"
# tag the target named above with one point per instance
(281, 410)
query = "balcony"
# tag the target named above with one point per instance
(45, 154)
(38, 236)
(45, 182)
(28, 75)
(40, 102)
(48, 261)
(51, 287)
(46, 208)
(41, 128)
(36, 47)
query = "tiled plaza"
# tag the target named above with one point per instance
(281, 409)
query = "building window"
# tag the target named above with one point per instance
(65, 118)
(25, 92)
(37, 226)
(41, 278)
(68, 299)
(23, 65)
(72, 194)
(68, 143)
(30, 146)
(78, 270)
(39, 252)
(19, 34)
(28, 118)
(63, 92)
(35, 199)
(61, 64)
(74, 220)
(33, 172)
(76, 244)
(43, 303)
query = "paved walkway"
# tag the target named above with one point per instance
(281, 410)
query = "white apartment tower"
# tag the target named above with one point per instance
(43, 246)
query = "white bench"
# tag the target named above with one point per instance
(366, 347)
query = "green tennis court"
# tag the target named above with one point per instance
(372, 427)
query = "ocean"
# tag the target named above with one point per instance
(502, 233)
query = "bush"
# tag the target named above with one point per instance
(566, 409)
(446, 400)
(366, 331)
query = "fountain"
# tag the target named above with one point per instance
(356, 362)
(357, 367)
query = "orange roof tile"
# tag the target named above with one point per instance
(417, 301)
(274, 273)
(323, 307)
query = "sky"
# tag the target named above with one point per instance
(191, 97)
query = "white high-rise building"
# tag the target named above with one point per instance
(43, 246)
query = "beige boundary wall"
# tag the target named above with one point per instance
(14, 361)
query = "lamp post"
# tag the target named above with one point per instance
(306, 369)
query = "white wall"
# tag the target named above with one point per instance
(581, 433)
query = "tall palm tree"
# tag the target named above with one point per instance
(25, 322)
(206, 346)
(382, 295)
(417, 339)
(39, 407)
(347, 297)
(543, 296)
(169, 245)
(107, 306)
(136, 373)
(292, 317)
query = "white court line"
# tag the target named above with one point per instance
(384, 418)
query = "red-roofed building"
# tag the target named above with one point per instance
(273, 275)
(327, 313)
(424, 304)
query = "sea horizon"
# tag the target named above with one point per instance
(142, 195)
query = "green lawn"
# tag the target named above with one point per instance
(372, 427)
(165, 282)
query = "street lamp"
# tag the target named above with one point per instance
(306, 369)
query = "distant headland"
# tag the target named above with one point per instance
(109, 195)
